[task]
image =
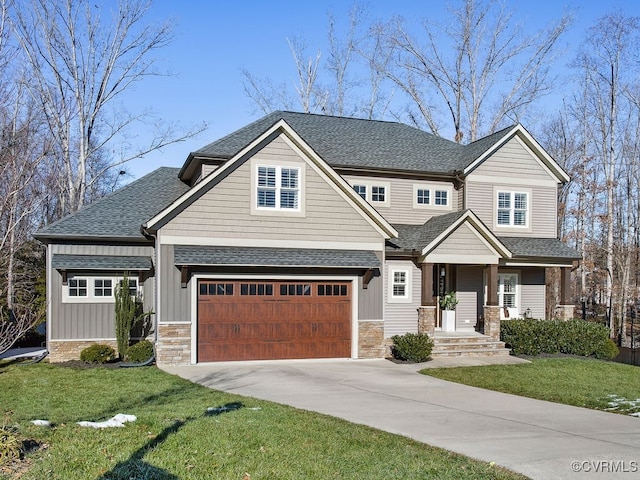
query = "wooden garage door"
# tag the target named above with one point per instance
(262, 320)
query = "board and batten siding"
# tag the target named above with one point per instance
(175, 301)
(370, 299)
(401, 202)
(513, 167)
(533, 291)
(225, 210)
(470, 294)
(401, 318)
(90, 321)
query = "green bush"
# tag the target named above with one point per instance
(412, 347)
(9, 445)
(608, 350)
(575, 337)
(98, 353)
(140, 352)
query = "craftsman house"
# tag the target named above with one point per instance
(310, 236)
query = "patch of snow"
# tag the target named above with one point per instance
(117, 421)
(41, 423)
(637, 414)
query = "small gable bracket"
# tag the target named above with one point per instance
(368, 275)
(185, 275)
(64, 277)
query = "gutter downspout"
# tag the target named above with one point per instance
(156, 299)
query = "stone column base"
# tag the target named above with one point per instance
(564, 312)
(174, 344)
(492, 321)
(427, 319)
(371, 339)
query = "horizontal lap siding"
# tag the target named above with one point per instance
(532, 294)
(401, 318)
(401, 208)
(225, 210)
(463, 241)
(90, 320)
(511, 167)
(481, 199)
(513, 160)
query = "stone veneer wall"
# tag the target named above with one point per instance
(63, 350)
(174, 344)
(492, 321)
(371, 342)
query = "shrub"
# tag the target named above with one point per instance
(9, 445)
(608, 350)
(575, 337)
(98, 353)
(140, 352)
(412, 347)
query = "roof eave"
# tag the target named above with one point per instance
(57, 238)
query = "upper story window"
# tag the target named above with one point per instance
(361, 190)
(376, 193)
(513, 209)
(432, 195)
(278, 188)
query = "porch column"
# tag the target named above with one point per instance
(566, 309)
(427, 309)
(491, 309)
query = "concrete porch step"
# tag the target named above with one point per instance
(468, 345)
(477, 352)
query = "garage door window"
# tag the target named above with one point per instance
(332, 290)
(216, 289)
(295, 290)
(261, 289)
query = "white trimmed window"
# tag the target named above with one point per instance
(89, 289)
(432, 195)
(508, 295)
(512, 209)
(374, 192)
(361, 190)
(278, 188)
(399, 285)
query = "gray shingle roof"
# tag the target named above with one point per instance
(260, 256)
(100, 262)
(120, 214)
(539, 247)
(416, 237)
(352, 142)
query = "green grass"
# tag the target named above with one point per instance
(175, 438)
(589, 383)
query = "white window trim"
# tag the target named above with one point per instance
(512, 191)
(433, 187)
(406, 298)
(368, 184)
(278, 165)
(91, 297)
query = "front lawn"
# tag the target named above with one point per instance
(589, 383)
(185, 431)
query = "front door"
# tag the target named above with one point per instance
(508, 295)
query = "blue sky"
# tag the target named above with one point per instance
(215, 40)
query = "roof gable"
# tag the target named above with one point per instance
(478, 152)
(306, 153)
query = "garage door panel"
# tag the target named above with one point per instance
(237, 320)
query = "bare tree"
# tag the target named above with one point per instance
(477, 69)
(81, 62)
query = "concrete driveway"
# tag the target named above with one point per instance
(539, 439)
